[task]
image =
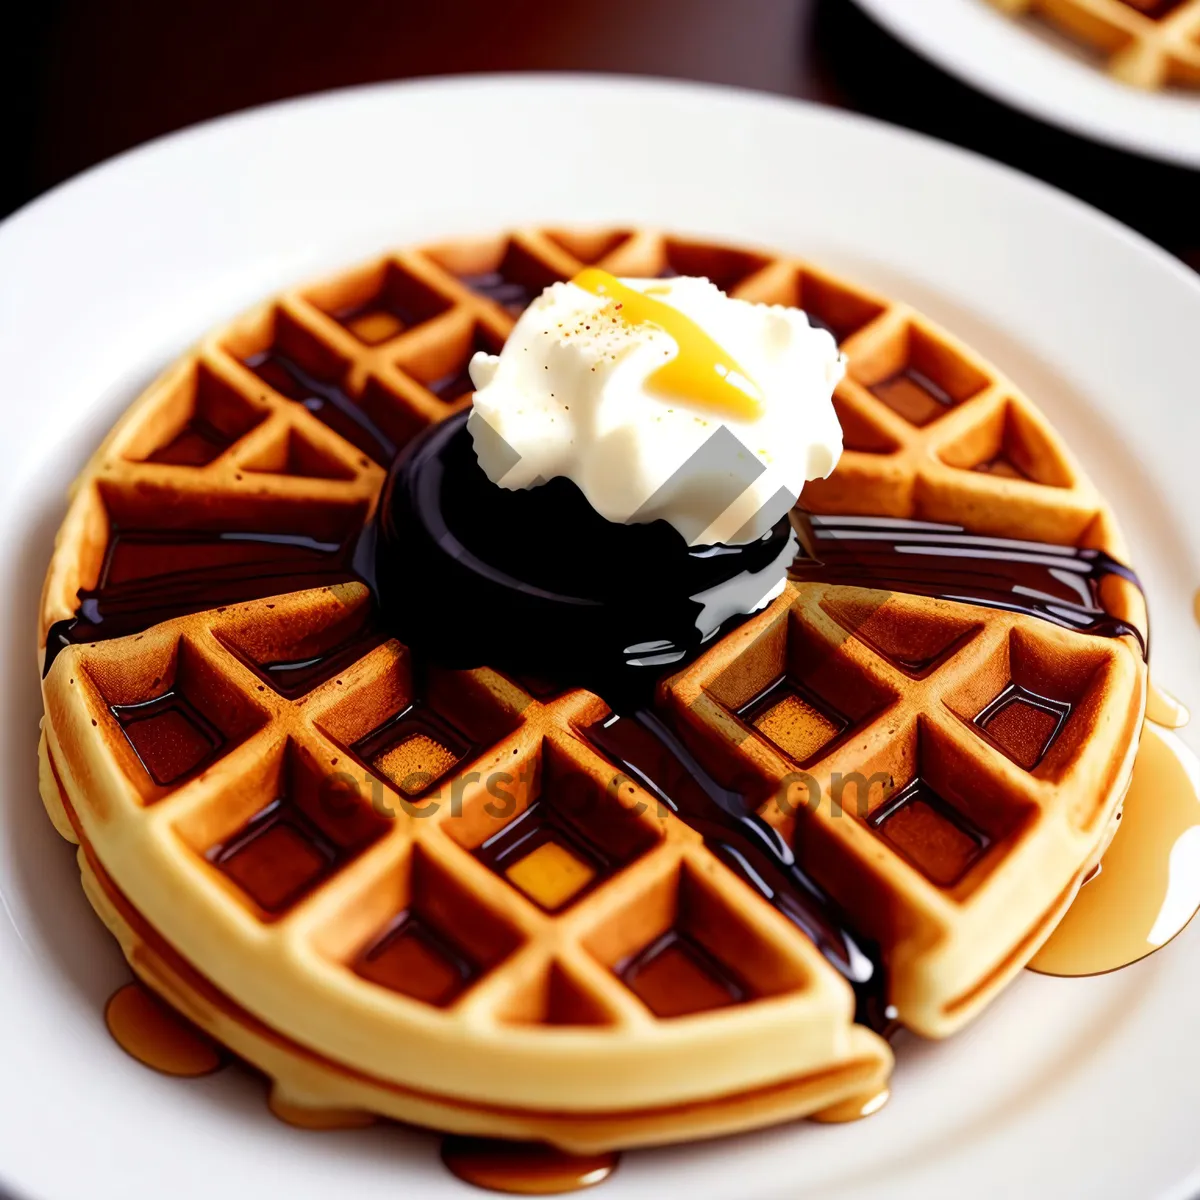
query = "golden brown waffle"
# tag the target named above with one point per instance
(301, 859)
(962, 881)
(1147, 43)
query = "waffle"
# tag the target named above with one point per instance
(306, 845)
(1146, 43)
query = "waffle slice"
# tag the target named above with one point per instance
(951, 805)
(1147, 43)
(428, 895)
(321, 883)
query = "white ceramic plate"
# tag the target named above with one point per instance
(1066, 1088)
(1030, 66)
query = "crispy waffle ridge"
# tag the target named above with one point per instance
(302, 861)
(1147, 43)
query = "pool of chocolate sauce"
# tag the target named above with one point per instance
(536, 581)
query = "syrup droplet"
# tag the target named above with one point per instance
(1163, 709)
(524, 1168)
(853, 1109)
(156, 1035)
(303, 1116)
(1149, 887)
(702, 372)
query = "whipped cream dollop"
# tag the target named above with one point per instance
(661, 398)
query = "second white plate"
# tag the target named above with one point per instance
(1027, 65)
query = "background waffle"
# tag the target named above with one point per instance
(230, 773)
(1148, 43)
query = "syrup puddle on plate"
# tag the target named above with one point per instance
(853, 1109)
(524, 1168)
(152, 1032)
(156, 1035)
(1148, 886)
(1163, 709)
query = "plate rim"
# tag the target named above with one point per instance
(36, 208)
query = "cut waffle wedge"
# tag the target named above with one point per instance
(949, 776)
(424, 893)
(1147, 43)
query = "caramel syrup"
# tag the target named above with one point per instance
(524, 1168)
(853, 1109)
(157, 1036)
(1147, 887)
(702, 372)
(1164, 709)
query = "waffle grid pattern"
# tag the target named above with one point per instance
(536, 969)
(271, 424)
(1147, 43)
(1036, 800)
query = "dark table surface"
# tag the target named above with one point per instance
(86, 79)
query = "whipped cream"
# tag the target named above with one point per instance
(661, 398)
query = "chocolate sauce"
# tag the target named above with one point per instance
(325, 399)
(1155, 9)
(457, 382)
(510, 294)
(648, 751)
(537, 581)
(1059, 584)
(155, 575)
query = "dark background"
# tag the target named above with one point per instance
(81, 80)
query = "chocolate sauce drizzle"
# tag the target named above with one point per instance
(154, 575)
(650, 752)
(325, 400)
(1059, 584)
(536, 582)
